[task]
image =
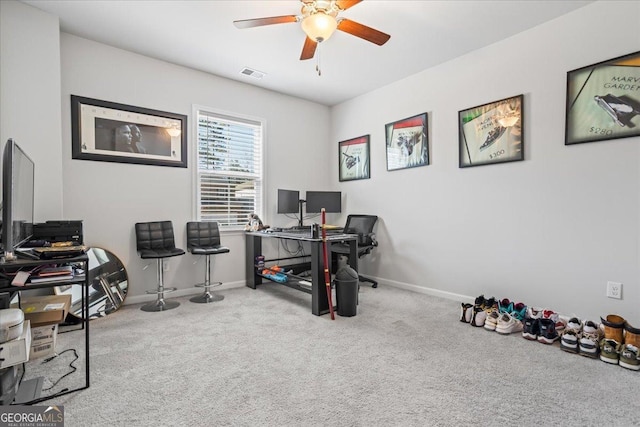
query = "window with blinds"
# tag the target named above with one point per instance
(230, 173)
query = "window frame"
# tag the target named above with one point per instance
(197, 110)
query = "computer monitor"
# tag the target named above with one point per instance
(288, 201)
(18, 187)
(331, 201)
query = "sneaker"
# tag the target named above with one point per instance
(507, 324)
(466, 312)
(548, 333)
(519, 311)
(531, 324)
(479, 301)
(629, 357)
(478, 316)
(588, 345)
(571, 335)
(505, 306)
(609, 351)
(530, 328)
(550, 314)
(491, 321)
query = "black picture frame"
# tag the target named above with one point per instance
(353, 158)
(407, 142)
(603, 101)
(491, 133)
(106, 131)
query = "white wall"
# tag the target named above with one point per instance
(112, 197)
(549, 231)
(30, 97)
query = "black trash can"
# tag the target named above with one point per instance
(346, 281)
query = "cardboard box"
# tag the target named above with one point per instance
(43, 341)
(46, 309)
(16, 351)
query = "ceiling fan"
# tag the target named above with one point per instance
(319, 20)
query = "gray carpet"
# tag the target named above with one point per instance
(260, 358)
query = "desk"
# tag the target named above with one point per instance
(318, 291)
(10, 267)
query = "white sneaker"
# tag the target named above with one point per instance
(589, 343)
(571, 335)
(507, 324)
(491, 321)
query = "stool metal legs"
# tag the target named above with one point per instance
(160, 304)
(207, 296)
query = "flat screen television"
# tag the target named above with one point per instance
(331, 201)
(288, 201)
(18, 173)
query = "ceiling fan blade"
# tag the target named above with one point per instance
(309, 49)
(362, 31)
(258, 22)
(346, 4)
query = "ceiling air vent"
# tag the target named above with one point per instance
(252, 73)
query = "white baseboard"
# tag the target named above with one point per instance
(424, 290)
(180, 293)
(238, 284)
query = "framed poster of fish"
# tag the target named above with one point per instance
(603, 101)
(491, 133)
(353, 155)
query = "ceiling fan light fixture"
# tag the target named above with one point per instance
(319, 26)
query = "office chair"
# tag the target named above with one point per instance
(154, 240)
(203, 238)
(362, 225)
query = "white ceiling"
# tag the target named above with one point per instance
(201, 35)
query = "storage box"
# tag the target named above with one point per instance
(46, 309)
(16, 351)
(43, 341)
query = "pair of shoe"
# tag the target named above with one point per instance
(626, 355)
(508, 324)
(542, 325)
(497, 321)
(477, 314)
(582, 338)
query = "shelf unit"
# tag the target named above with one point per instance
(8, 270)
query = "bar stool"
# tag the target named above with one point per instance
(155, 240)
(203, 238)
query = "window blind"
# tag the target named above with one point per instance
(230, 175)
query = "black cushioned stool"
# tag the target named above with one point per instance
(203, 238)
(155, 240)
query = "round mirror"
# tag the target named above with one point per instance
(108, 285)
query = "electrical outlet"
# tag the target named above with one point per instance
(614, 290)
(165, 266)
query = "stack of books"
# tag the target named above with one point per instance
(52, 274)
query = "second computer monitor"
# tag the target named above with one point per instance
(331, 201)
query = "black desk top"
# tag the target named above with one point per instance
(303, 235)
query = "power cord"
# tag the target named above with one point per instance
(71, 365)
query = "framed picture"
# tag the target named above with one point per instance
(603, 101)
(354, 158)
(110, 132)
(491, 133)
(407, 143)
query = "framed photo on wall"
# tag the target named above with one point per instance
(110, 132)
(354, 159)
(491, 133)
(603, 101)
(407, 142)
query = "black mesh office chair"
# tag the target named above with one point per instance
(154, 240)
(362, 225)
(203, 238)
